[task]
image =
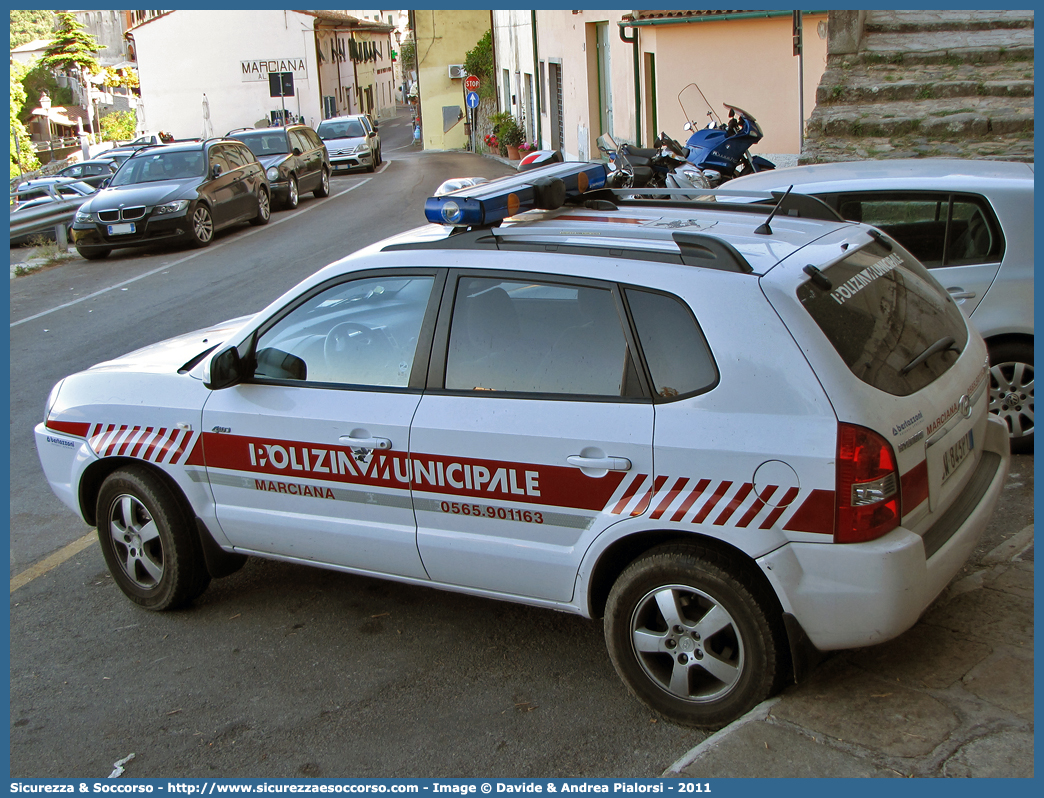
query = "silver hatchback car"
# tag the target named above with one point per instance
(971, 223)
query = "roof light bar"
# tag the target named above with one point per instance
(488, 203)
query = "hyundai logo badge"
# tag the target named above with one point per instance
(964, 405)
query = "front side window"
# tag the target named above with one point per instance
(939, 229)
(537, 337)
(361, 332)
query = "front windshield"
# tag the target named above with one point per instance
(157, 165)
(266, 143)
(340, 129)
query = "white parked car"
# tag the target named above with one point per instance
(737, 438)
(351, 141)
(971, 223)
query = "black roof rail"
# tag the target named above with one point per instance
(241, 129)
(695, 249)
(796, 205)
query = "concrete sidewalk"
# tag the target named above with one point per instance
(952, 697)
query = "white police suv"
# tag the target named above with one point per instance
(738, 433)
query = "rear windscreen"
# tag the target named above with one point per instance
(895, 327)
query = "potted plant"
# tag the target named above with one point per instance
(511, 135)
(498, 121)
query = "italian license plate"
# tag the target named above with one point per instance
(121, 229)
(956, 454)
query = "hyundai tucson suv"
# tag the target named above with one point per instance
(736, 434)
(174, 193)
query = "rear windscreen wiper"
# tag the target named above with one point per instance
(939, 346)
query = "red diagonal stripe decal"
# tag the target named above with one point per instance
(737, 500)
(788, 497)
(643, 505)
(755, 508)
(629, 493)
(672, 494)
(711, 502)
(691, 499)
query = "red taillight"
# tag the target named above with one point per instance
(867, 486)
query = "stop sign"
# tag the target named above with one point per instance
(471, 83)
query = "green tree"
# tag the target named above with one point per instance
(408, 56)
(73, 50)
(37, 80)
(20, 144)
(479, 62)
(119, 125)
(28, 26)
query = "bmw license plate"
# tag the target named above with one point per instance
(121, 229)
(956, 454)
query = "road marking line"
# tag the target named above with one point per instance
(175, 263)
(53, 561)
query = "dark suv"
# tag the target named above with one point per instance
(295, 160)
(181, 192)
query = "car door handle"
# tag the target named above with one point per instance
(960, 293)
(365, 443)
(610, 463)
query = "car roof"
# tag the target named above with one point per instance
(953, 174)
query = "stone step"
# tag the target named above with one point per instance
(826, 150)
(941, 47)
(876, 83)
(907, 21)
(945, 118)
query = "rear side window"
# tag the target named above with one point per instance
(540, 338)
(882, 313)
(675, 350)
(939, 229)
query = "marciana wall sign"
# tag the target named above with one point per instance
(258, 69)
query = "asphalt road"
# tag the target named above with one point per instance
(282, 670)
(278, 670)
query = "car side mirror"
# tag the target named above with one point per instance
(226, 369)
(105, 183)
(297, 151)
(372, 134)
(215, 171)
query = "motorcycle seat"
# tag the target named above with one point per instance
(640, 152)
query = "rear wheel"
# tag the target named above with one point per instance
(147, 539)
(691, 638)
(1011, 391)
(93, 254)
(324, 185)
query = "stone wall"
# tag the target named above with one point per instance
(902, 84)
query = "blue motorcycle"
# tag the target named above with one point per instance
(721, 150)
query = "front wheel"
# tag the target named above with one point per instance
(201, 226)
(147, 539)
(264, 209)
(1011, 391)
(292, 196)
(324, 185)
(93, 254)
(692, 639)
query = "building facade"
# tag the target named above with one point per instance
(197, 79)
(570, 76)
(443, 39)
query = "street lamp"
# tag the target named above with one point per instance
(45, 103)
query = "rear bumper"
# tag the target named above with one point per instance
(851, 595)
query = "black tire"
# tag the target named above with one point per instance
(94, 254)
(724, 652)
(148, 540)
(1011, 391)
(373, 163)
(201, 226)
(324, 185)
(264, 209)
(293, 196)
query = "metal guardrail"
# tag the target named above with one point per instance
(57, 215)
